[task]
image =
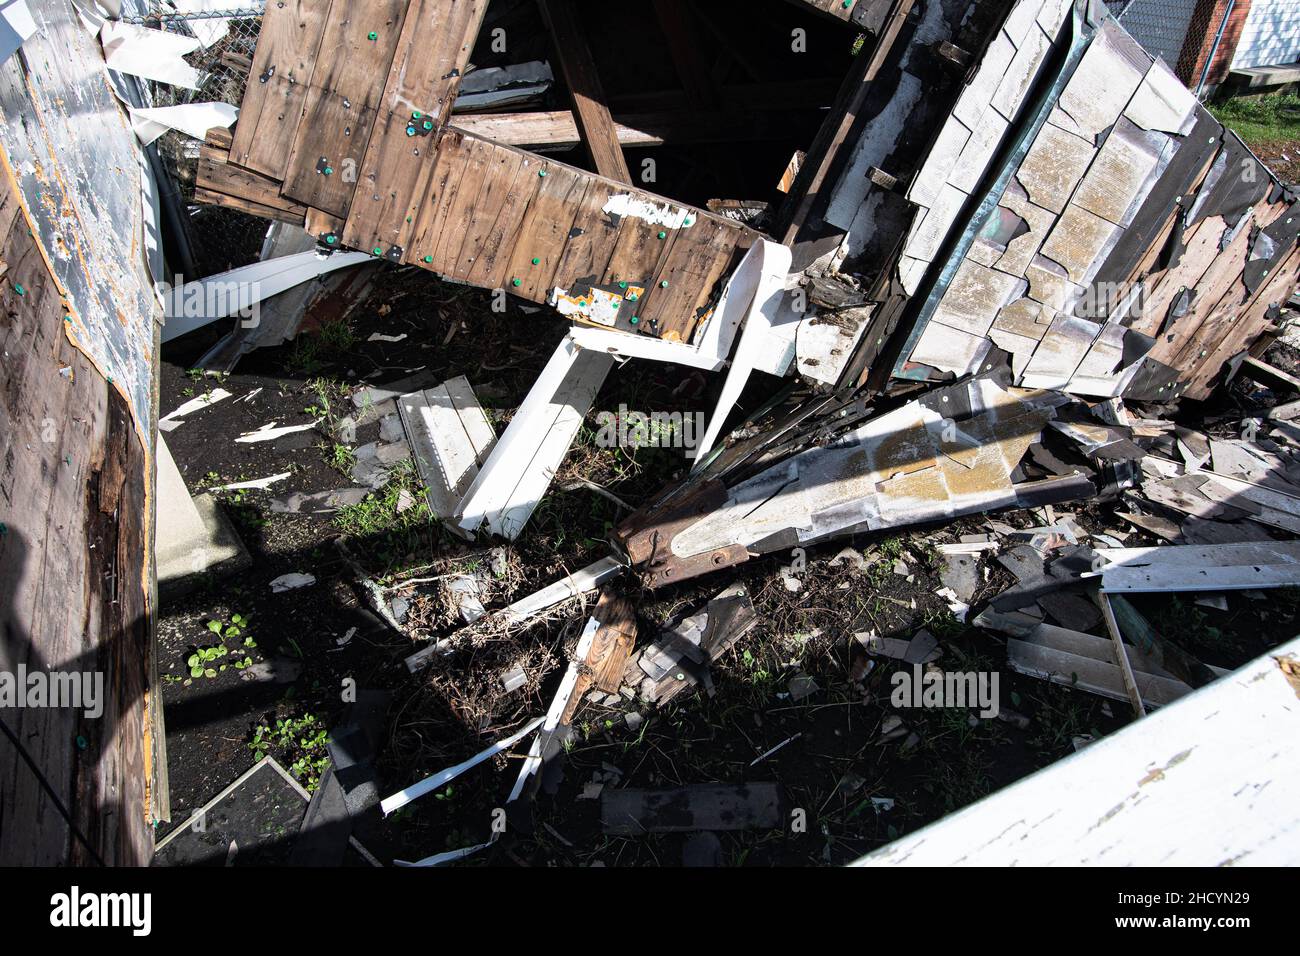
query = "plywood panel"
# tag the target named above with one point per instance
(339, 111)
(421, 87)
(73, 556)
(277, 86)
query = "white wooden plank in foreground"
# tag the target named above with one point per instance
(1219, 567)
(515, 476)
(1209, 780)
(450, 438)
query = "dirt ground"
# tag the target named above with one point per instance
(856, 792)
(1282, 157)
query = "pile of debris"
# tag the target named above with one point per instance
(1008, 328)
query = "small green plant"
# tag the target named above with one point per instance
(342, 459)
(201, 661)
(301, 743)
(230, 629)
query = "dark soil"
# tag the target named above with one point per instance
(1282, 157)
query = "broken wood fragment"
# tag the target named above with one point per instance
(715, 807)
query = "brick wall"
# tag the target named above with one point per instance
(1199, 41)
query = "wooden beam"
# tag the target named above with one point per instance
(683, 45)
(589, 104)
(559, 128)
(835, 133)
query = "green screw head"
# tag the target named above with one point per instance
(329, 170)
(664, 284)
(417, 115)
(428, 124)
(541, 173)
(536, 261)
(331, 240)
(663, 235)
(378, 251)
(688, 221)
(372, 36)
(19, 288)
(635, 320)
(616, 306)
(517, 282)
(82, 742)
(631, 297)
(428, 259)
(622, 285)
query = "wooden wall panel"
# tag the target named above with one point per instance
(1252, 319)
(72, 579)
(495, 214)
(700, 257)
(341, 105)
(419, 93)
(221, 182)
(277, 86)
(544, 230)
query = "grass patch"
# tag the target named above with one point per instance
(1261, 119)
(389, 537)
(312, 354)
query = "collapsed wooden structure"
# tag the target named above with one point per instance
(1008, 189)
(1007, 200)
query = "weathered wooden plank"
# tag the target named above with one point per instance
(591, 238)
(590, 107)
(72, 506)
(1205, 322)
(544, 230)
(496, 214)
(453, 149)
(218, 175)
(287, 47)
(824, 153)
(1254, 317)
(1111, 803)
(457, 177)
(421, 87)
(700, 257)
(1199, 252)
(246, 206)
(340, 108)
(640, 251)
(559, 128)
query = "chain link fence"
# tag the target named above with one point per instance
(1183, 33)
(221, 238)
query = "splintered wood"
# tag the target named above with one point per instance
(604, 664)
(345, 129)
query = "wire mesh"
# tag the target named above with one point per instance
(223, 238)
(1180, 32)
